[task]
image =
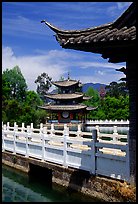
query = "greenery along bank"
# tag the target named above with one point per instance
(20, 104)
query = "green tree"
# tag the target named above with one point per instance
(12, 111)
(116, 89)
(116, 108)
(13, 84)
(18, 104)
(44, 82)
(31, 113)
(33, 99)
(95, 99)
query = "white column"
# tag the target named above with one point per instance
(27, 136)
(14, 137)
(79, 132)
(43, 141)
(52, 131)
(66, 134)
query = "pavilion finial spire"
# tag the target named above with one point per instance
(68, 76)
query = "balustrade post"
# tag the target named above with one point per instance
(3, 137)
(115, 137)
(94, 151)
(8, 126)
(31, 128)
(43, 141)
(79, 132)
(22, 130)
(14, 137)
(27, 136)
(115, 134)
(45, 130)
(65, 134)
(52, 131)
(98, 131)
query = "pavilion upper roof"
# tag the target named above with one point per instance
(66, 83)
(104, 38)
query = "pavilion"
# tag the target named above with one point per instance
(68, 104)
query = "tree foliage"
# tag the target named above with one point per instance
(116, 89)
(114, 104)
(44, 82)
(13, 84)
(18, 104)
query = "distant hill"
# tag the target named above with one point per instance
(95, 86)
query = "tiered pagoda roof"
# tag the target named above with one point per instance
(53, 107)
(64, 96)
(70, 101)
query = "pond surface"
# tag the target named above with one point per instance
(17, 187)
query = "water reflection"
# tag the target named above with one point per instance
(17, 187)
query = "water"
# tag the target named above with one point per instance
(17, 187)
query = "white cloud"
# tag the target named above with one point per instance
(102, 78)
(85, 65)
(57, 63)
(32, 66)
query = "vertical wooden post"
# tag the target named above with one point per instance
(131, 83)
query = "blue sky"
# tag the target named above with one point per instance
(32, 45)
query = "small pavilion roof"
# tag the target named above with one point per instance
(66, 83)
(104, 39)
(87, 97)
(64, 96)
(89, 108)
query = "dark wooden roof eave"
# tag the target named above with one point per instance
(115, 52)
(104, 38)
